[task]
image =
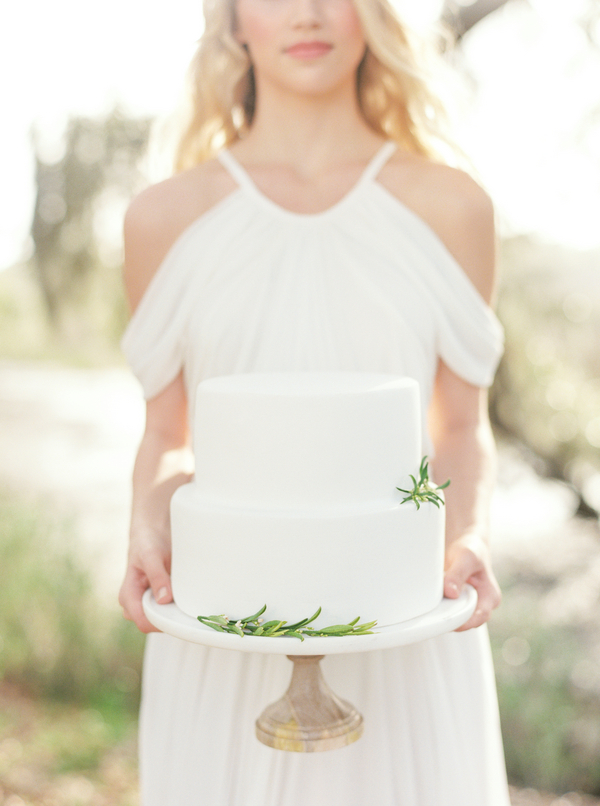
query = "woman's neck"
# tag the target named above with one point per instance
(307, 131)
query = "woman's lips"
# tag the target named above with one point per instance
(308, 50)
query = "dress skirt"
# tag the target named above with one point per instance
(431, 728)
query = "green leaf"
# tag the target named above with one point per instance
(222, 620)
(211, 624)
(277, 628)
(304, 621)
(367, 625)
(255, 616)
(422, 490)
(247, 625)
(314, 616)
(268, 624)
(341, 629)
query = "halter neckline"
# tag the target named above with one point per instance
(246, 183)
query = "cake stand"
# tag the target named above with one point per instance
(310, 717)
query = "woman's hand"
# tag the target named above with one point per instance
(465, 454)
(148, 567)
(163, 464)
(468, 561)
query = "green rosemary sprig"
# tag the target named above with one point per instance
(422, 490)
(255, 625)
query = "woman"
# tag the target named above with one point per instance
(326, 235)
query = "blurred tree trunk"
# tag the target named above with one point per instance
(461, 18)
(75, 196)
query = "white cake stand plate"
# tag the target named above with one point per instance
(447, 616)
(310, 717)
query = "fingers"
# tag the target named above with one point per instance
(130, 598)
(136, 582)
(470, 564)
(488, 598)
(463, 564)
(158, 578)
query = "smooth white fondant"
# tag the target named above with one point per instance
(382, 565)
(300, 439)
(294, 502)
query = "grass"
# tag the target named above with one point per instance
(85, 336)
(59, 754)
(70, 671)
(58, 641)
(548, 686)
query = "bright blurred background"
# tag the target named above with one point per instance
(85, 88)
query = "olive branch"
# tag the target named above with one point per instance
(255, 625)
(422, 490)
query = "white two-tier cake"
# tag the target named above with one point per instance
(294, 501)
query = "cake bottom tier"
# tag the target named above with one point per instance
(384, 565)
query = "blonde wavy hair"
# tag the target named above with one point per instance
(393, 85)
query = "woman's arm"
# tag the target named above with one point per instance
(463, 216)
(465, 454)
(163, 463)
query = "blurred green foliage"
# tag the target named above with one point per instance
(58, 754)
(548, 679)
(69, 672)
(547, 390)
(57, 640)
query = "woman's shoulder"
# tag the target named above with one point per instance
(454, 206)
(159, 215)
(435, 187)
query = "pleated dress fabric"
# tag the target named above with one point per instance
(364, 286)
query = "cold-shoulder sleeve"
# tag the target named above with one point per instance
(154, 340)
(470, 338)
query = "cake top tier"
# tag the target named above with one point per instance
(305, 440)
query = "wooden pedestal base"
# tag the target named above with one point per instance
(309, 717)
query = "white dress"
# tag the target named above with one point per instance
(364, 286)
